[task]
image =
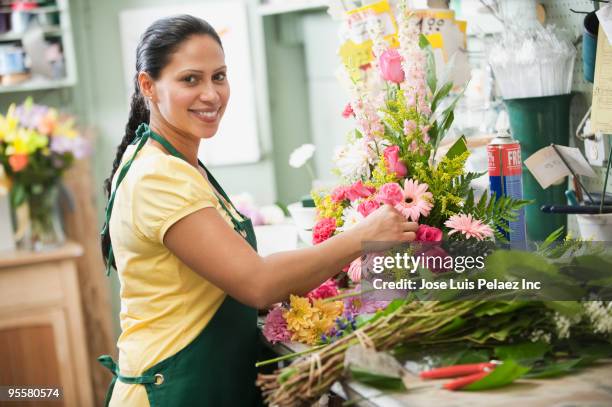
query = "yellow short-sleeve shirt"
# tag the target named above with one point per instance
(164, 304)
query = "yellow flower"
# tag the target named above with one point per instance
(307, 322)
(8, 124)
(299, 316)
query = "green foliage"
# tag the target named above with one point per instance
(494, 211)
(448, 183)
(502, 375)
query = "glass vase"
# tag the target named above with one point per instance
(43, 230)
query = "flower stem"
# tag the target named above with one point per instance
(289, 356)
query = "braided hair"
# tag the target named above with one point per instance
(156, 46)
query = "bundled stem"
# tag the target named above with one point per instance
(298, 384)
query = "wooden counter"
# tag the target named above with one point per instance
(42, 337)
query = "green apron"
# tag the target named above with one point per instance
(218, 367)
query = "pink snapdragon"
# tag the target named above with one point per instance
(348, 111)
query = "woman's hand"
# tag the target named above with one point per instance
(386, 224)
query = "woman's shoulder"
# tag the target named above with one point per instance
(152, 163)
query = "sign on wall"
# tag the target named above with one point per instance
(236, 142)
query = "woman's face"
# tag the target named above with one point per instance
(192, 90)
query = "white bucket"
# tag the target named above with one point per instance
(276, 238)
(596, 227)
(304, 218)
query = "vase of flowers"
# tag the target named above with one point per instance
(37, 145)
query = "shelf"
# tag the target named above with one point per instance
(38, 84)
(290, 7)
(50, 30)
(38, 10)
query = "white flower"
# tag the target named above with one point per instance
(350, 217)
(300, 155)
(353, 160)
(272, 214)
(563, 325)
(600, 314)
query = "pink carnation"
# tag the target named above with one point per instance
(393, 163)
(427, 233)
(325, 290)
(339, 194)
(358, 190)
(275, 326)
(323, 230)
(367, 207)
(390, 193)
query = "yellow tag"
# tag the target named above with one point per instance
(356, 51)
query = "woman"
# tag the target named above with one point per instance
(191, 280)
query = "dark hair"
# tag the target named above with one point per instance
(153, 53)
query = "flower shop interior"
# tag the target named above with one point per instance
(484, 121)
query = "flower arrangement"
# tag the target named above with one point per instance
(37, 145)
(392, 158)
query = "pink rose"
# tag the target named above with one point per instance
(427, 233)
(390, 193)
(323, 230)
(390, 63)
(348, 111)
(358, 190)
(394, 165)
(367, 207)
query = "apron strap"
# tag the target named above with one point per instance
(142, 135)
(108, 362)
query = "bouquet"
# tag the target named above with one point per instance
(403, 111)
(37, 145)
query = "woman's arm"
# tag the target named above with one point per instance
(208, 245)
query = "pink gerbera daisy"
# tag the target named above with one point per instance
(417, 201)
(469, 226)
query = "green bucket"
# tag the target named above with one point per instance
(536, 123)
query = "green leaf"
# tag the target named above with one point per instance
(526, 352)
(18, 194)
(458, 148)
(441, 94)
(554, 369)
(502, 375)
(377, 380)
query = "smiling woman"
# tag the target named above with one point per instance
(191, 278)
